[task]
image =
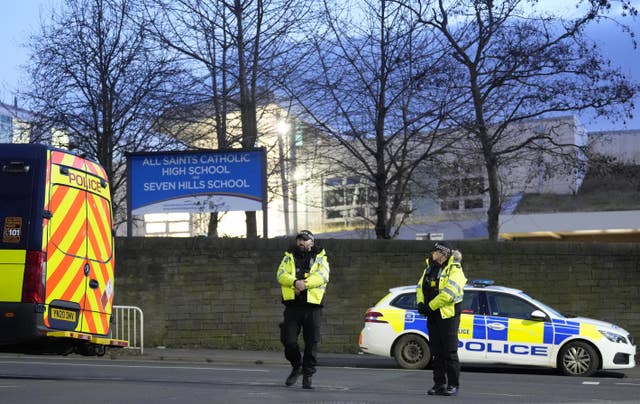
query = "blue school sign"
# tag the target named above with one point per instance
(194, 182)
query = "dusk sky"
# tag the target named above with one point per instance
(21, 18)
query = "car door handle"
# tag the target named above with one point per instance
(497, 326)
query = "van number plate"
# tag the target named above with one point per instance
(64, 315)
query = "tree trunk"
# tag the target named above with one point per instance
(213, 225)
(493, 213)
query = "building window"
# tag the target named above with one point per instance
(464, 193)
(452, 204)
(347, 198)
(475, 203)
(471, 186)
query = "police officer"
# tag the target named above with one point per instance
(439, 292)
(303, 275)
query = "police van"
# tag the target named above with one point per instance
(56, 252)
(498, 325)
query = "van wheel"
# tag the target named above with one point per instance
(578, 359)
(412, 352)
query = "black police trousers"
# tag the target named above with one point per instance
(443, 341)
(307, 319)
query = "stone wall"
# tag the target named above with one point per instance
(222, 293)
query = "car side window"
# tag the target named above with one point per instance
(406, 301)
(474, 302)
(504, 305)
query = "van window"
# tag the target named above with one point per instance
(16, 199)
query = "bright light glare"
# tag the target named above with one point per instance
(282, 126)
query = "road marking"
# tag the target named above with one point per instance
(592, 383)
(137, 366)
(333, 388)
(500, 394)
(373, 369)
(628, 384)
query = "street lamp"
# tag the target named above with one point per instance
(282, 127)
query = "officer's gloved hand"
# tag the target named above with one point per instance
(423, 309)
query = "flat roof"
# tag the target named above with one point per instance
(563, 224)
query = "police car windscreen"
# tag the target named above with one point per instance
(16, 201)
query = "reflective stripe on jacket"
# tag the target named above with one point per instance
(316, 280)
(450, 288)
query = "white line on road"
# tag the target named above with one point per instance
(135, 366)
(592, 383)
(628, 384)
(499, 394)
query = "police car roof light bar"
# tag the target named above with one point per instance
(481, 283)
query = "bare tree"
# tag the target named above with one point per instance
(234, 42)
(373, 86)
(96, 78)
(514, 63)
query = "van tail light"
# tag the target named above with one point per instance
(34, 277)
(373, 317)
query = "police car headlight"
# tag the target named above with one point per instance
(613, 337)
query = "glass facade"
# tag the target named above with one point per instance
(6, 128)
(347, 198)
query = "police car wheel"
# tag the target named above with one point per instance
(411, 351)
(578, 359)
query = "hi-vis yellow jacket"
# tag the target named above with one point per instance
(450, 288)
(316, 279)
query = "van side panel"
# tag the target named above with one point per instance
(22, 183)
(12, 274)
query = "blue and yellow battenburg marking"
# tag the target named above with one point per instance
(513, 336)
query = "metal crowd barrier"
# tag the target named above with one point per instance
(127, 323)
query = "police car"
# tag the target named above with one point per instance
(498, 325)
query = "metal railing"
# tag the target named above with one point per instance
(127, 323)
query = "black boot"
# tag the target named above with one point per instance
(293, 377)
(306, 382)
(437, 390)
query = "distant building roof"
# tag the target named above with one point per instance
(451, 230)
(611, 188)
(571, 225)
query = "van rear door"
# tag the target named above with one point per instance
(80, 246)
